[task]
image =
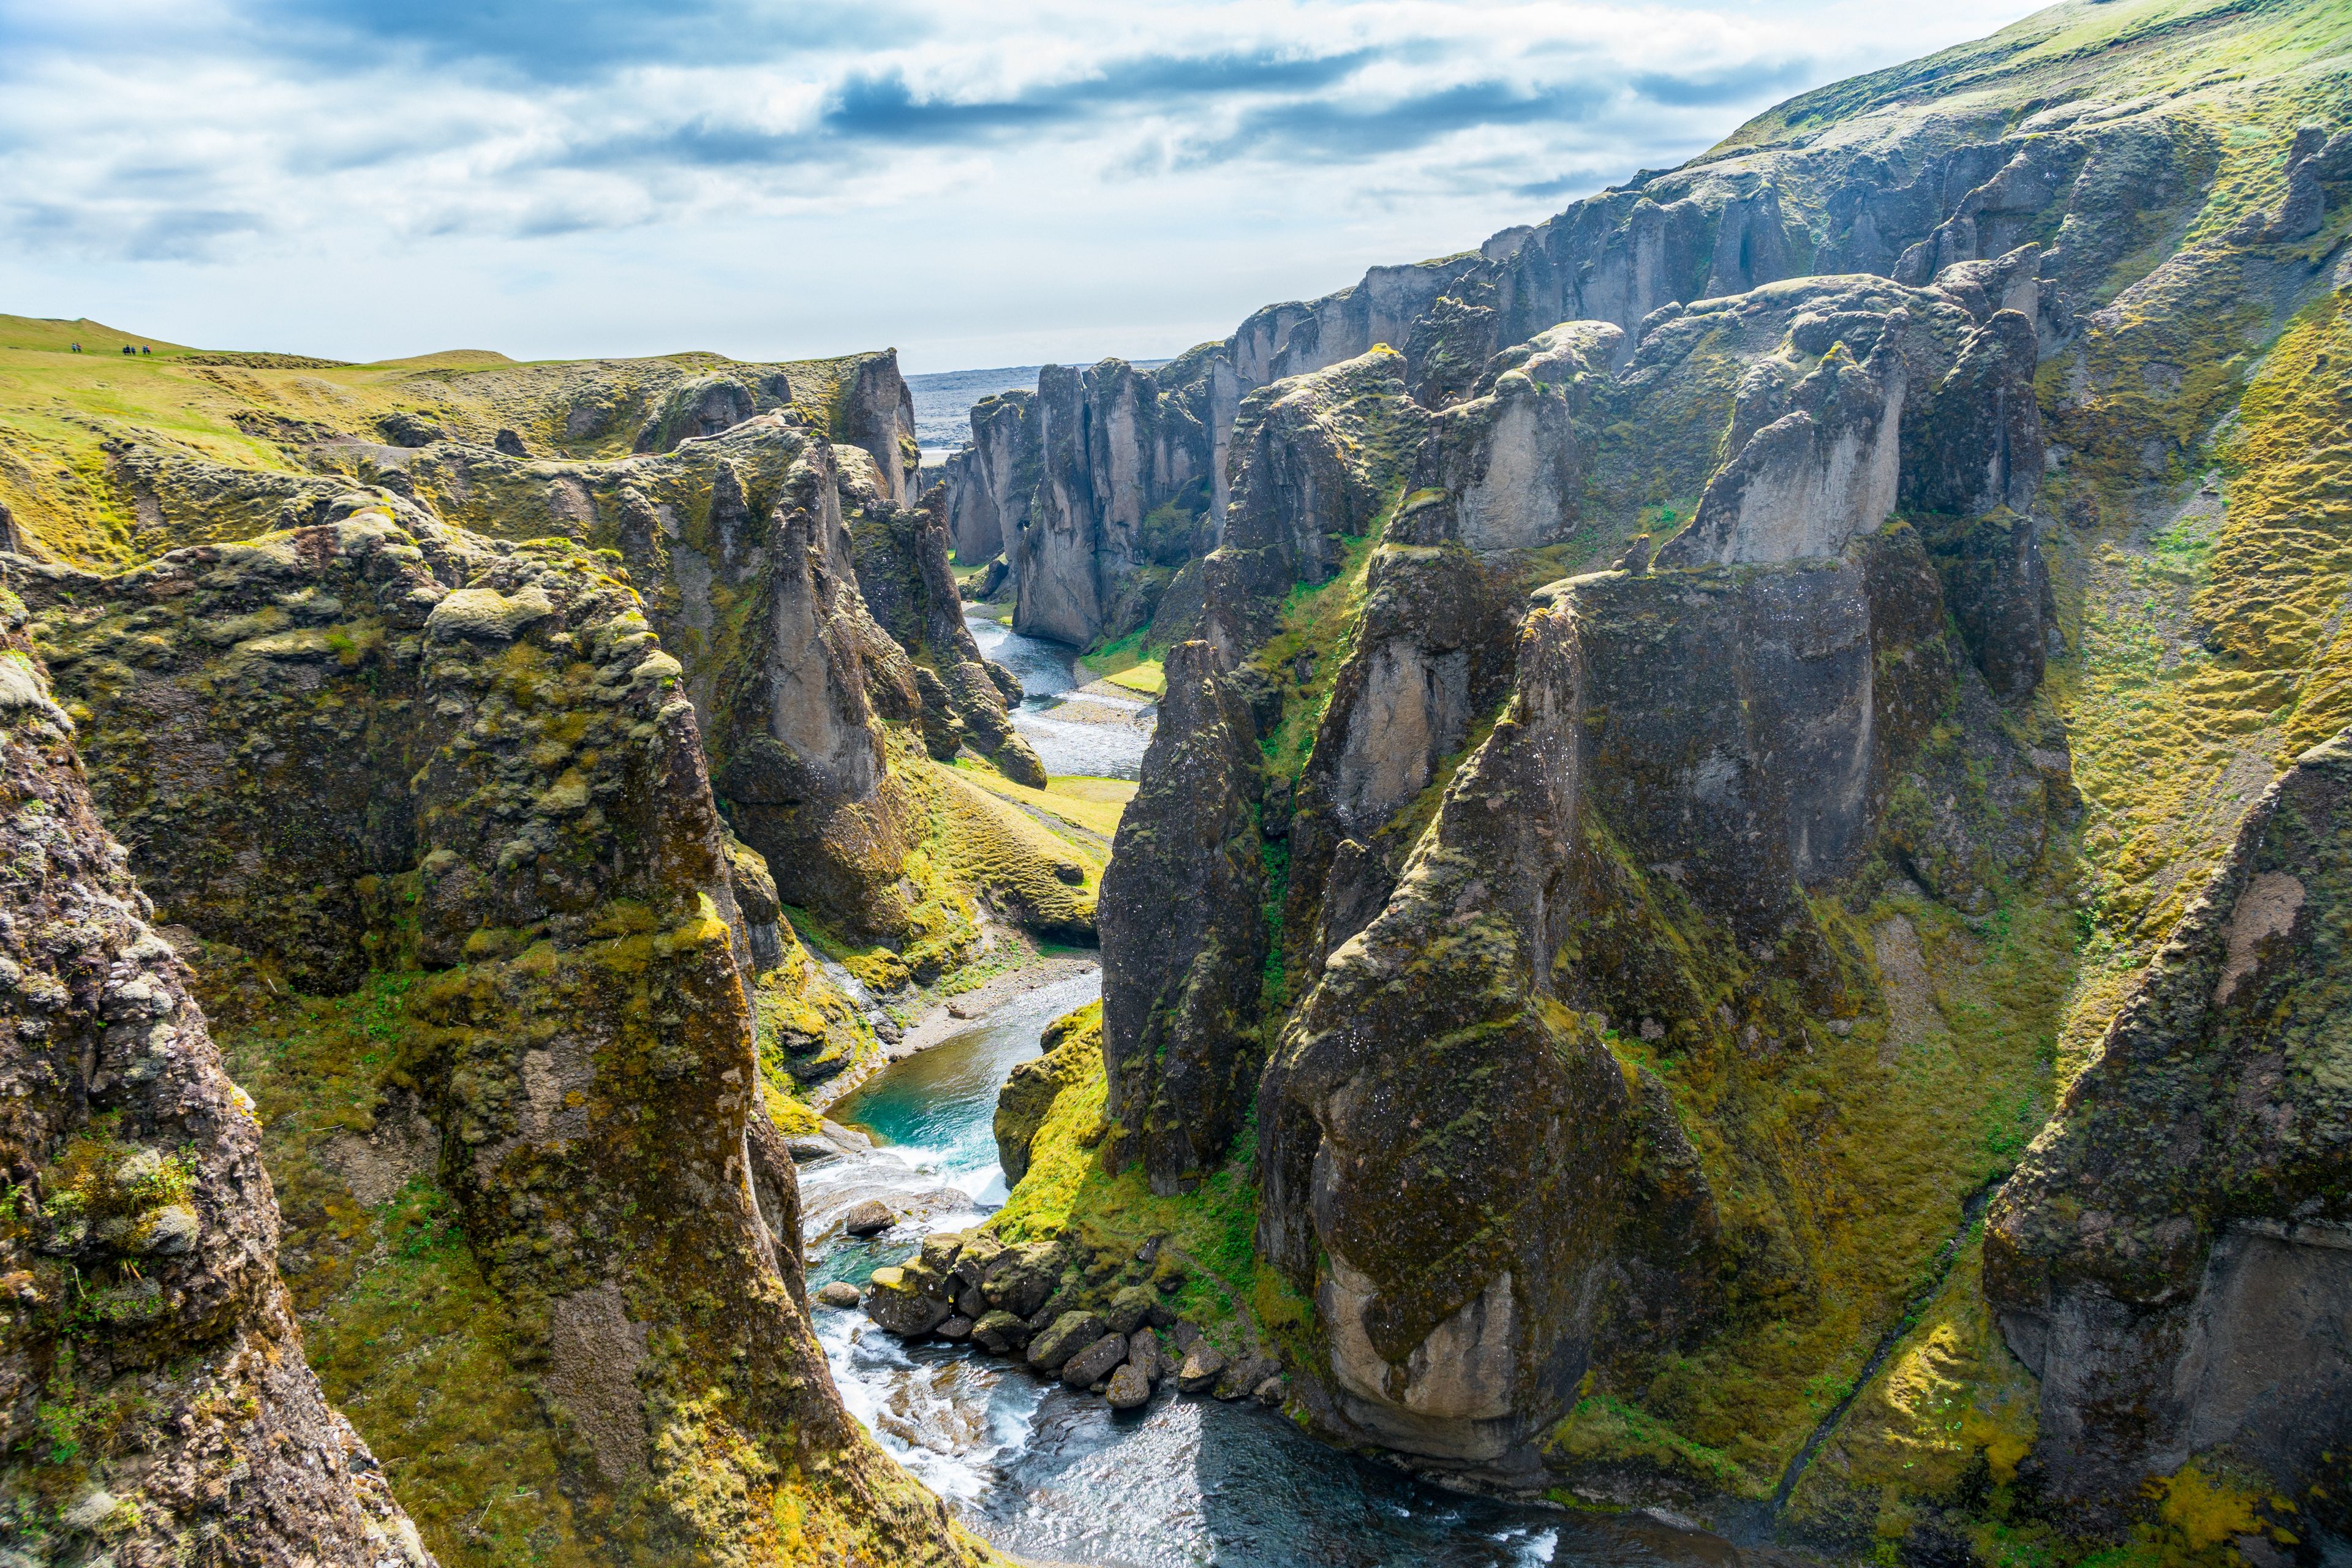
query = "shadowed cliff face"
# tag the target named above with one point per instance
(907, 585)
(1183, 939)
(153, 1388)
(381, 743)
(2172, 1261)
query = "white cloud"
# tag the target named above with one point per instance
(976, 184)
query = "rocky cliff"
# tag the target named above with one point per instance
(157, 1404)
(383, 746)
(1925, 497)
(423, 776)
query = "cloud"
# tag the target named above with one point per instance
(1324, 130)
(1727, 84)
(1049, 167)
(188, 234)
(583, 40)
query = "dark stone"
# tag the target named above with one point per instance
(1068, 1335)
(1096, 1361)
(1000, 1332)
(1183, 938)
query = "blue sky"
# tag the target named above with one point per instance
(978, 185)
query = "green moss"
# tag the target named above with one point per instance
(1318, 623)
(406, 1336)
(1207, 1236)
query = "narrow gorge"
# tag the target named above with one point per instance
(1673, 890)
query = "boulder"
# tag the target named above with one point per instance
(895, 1304)
(1203, 1364)
(1241, 1377)
(1129, 1309)
(1020, 1279)
(1143, 1353)
(1270, 1393)
(1000, 1332)
(839, 1294)
(1096, 1361)
(957, 1327)
(1128, 1388)
(871, 1218)
(1070, 1332)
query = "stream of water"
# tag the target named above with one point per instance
(1098, 734)
(1056, 1476)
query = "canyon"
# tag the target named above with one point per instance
(1715, 834)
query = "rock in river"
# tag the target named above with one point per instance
(838, 1294)
(869, 1219)
(1097, 1362)
(1069, 1333)
(1128, 1388)
(1202, 1365)
(898, 1306)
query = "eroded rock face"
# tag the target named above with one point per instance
(1432, 657)
(2173, 1259)
(876, 414)
(481, 765)
(1316, 459)
(1975, 443)
(1805, 481)
(1457, 1289)
(144, 1295)
(904, 577)
(706, 406)
(1184, 941)
(1122, 482)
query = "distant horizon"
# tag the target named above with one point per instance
(1042, 184)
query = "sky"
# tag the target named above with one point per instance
(974, 183)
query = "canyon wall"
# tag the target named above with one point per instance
(1670, 889)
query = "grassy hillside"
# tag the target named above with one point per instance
(68, 419)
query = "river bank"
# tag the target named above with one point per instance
(1053, 1474)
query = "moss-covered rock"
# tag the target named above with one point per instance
(2169, 1260)
(1183, 935)
(515, 805)
(153, 1394)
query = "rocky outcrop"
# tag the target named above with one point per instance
(1508, 457)
(1315, 460)
(1431, 657)
(1975, 443)
(1183, 939)
(2173, 1260)
(1806, 481)
(992, 481)
(1071, 1047)
(1125, 481)
(153, 1388)
(1457, 1290)
(907, 585)
(695, 410)
(873, 410)
(479, 766)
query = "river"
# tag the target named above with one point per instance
(1097, 734)
(1056, 1476)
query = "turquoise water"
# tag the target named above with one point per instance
(1057, 1476)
